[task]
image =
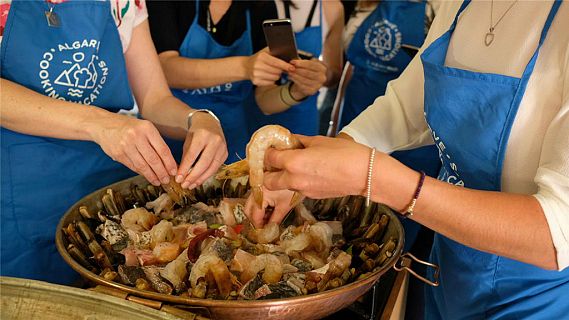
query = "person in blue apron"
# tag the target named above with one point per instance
(294, 105)
(224, 40)
(378, 53)
(64, 79)
(502, 254)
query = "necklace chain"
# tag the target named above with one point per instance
(209, 23)
(489, 38)
(492, 27)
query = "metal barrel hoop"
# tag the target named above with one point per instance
(404, 263)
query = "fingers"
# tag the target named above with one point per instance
(275, 159)
(153, 159)
(140, 165)
(164, 153)
(254, 213)
(306, 141)
(218, 160)
(211, 157)
(192, 148)
(280, 212)
(276, 180)
(276, 62)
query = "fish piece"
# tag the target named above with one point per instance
(232, 210)
(131, 259)
(114, 234)
(241, 260)
(313, 258)
(129, 274)
(250, 287)
(157, 282)
(176, 272)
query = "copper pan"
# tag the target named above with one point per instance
(312, 306)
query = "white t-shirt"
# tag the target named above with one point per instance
(127, 15)
(537, 156)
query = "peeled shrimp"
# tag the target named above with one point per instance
(321, 235)
(210, 263)
(270, 136)
(269, 233)
(138, 219)
(268, 262)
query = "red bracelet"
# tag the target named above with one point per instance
(409, 211)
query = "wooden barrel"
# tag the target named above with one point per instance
(31, 299)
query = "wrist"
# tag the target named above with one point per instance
(198, 115)
(245, 67)
(393, 183)
(295, 93)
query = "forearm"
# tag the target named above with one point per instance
(26, 111)
(270, 101)
(185, 73)
(509, 225)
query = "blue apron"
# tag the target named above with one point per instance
(80, 61)
(376, 53)
(302, 118)
(377, 58)
(225, 100)
(460, 105)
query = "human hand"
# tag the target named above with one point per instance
(280, 200)
(307, 77)
(263, 69)
(138, 145)
(205, 150)
(325, 168)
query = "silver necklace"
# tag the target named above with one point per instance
(209, 23)
(490, 34)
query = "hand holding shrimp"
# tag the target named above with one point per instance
(270, 136)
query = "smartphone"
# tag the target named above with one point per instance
(280, 39)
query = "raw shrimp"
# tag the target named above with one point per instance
(210, 263)
(269, 233)
(138, 219)
(270, 136)
(268, 262)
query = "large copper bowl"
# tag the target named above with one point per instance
(312, 306)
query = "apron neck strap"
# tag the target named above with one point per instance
(311, 14)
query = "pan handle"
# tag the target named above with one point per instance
(404, 263)
(184, 312)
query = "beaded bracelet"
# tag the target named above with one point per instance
(409, 211)
(369, 175)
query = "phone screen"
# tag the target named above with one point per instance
(280, 39)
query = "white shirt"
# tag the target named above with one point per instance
(127, 14)
(537, 155)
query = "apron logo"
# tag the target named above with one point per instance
(73, 72)
(383, 40)
(449, 169)
(211, 90)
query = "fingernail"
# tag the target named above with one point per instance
(179, 178)
(185, 185)
(165, 180)
(155, 183)
(192, 186)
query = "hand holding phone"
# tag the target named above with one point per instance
(280, 39)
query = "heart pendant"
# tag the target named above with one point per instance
(488, 39)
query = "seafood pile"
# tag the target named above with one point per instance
(200, 244)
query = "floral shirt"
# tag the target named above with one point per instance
(127, 15)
